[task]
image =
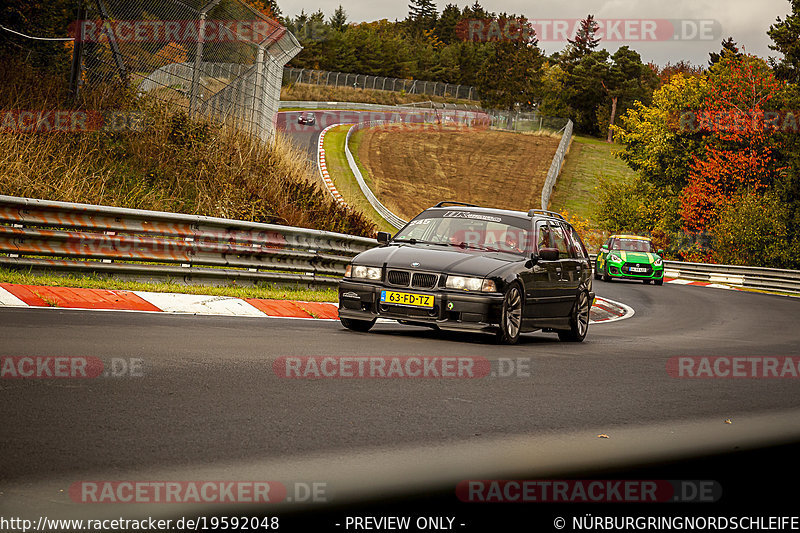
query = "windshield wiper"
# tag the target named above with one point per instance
(476, 246)
(416, 241)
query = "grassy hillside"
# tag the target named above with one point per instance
(576, 194)
(412, 168)
(343, 178)
(173, 164)
(589, 161)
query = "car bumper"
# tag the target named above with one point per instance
(451, 310)
(618, 271)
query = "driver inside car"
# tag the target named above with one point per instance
(512, 241)
(468, 232)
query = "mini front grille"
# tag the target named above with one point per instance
(398, 277)
(647, 268)
(424, 281)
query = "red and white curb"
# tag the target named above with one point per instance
(676, 281)
(33, 296)
(12, 295)
(323, 167)
(605, 310)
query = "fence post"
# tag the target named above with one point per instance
(258, 90)
(77, 57)
(198, 64)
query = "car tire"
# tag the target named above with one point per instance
(511, 316)
(660, 281)
(606, 275)
(578, 320)
(357, 325)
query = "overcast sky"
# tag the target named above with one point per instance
(746, 20)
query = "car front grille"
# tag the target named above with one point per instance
(423, 281)
(417, 280)
(400, 278)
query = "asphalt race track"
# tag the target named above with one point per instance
(307, 137)
(208, 396)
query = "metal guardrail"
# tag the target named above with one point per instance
(744, 276)
(380, 83)
(772, 279)
(47, 235)
(555, 166)
(382, 210)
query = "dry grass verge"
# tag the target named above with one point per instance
(414, 168)
(173, 164)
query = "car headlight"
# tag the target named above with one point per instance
(614, 258)
(363, 272)
(470, 284)
(658, 262)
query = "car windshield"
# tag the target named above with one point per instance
(470, 230)
(632, 245)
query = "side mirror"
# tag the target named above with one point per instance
(604, 248)
(384, 237)
(660, 252)
(549, 254)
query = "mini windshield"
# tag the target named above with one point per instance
(632, 245)
(470, 230)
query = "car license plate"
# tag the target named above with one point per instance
(638, 269)
(406, 298)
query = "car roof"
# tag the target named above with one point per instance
(638, 237)
(493, 211)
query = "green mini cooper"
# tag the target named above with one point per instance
(629, 257)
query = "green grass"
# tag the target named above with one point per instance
(98, 282)
(344, 179)
(588, 161)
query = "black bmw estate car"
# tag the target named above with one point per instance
(461, 267)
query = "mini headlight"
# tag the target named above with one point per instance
(658, 262)
(614, 257)
(365, 272)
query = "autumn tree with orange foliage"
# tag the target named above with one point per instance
(269, 8)
(742, 149)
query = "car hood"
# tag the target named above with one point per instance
(434, 258)
(636, 257)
